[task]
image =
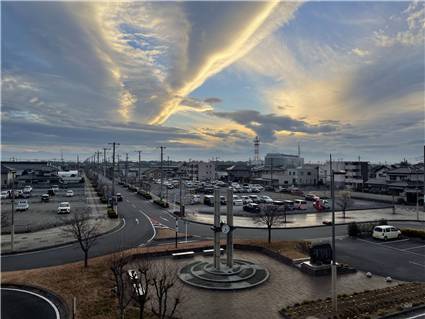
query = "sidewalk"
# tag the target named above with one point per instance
(56, 236)
(316, 219)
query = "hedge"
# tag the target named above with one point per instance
(112, 213)
(418, 233)
(161, 203)
(363, 229)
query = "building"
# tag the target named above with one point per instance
(240, 173)
(354, 173)
(32, 172)
(307, 175)
(6, 176)
(283, 160)
(199, 170)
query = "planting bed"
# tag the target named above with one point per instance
(367, 304)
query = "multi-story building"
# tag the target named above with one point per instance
(354, 173)
(199, 170)
(283, 160)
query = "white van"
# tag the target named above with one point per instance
(386, 232)
(300, 204)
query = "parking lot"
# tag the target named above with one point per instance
(174, 194)
(42, 215)
(403, 259)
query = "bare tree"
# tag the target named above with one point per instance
(141, 284)
(118, 264)
(166, 292)
(84, 231)
(344, 201)
(270, 216)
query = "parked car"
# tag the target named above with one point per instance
(283, 190)
(278, 203)
(64, 208)
(119, 197)
(255, 189)
(22, 205)
(311, 197)
(237, 201)
(289, 204)
(28, 188)
(246, 200)
(209, 200)
(26, 194)
(252, 208)
(266, 199)
(386, 232)
(19, 193)
(51, 192)
(45, 197)
(296, 191)
(195, 199)
(4, 195)
(255, 198)
(69, 193)
(55, 188)
(300, 204)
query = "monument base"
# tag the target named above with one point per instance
(242, 275)
(324, 269)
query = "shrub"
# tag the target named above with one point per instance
(353, 229)
(161, 203)
(413, 233)
(112, 213)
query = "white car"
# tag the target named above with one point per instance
(69, 193)
(55, 188)
(22, 205)
(246, 200)
(386, 232)
(28, 189)
(300, 204)
(237, 201)
(196, 199)
(64, 208)
(266, 199)
(4, 195)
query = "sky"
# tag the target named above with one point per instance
(205, 78)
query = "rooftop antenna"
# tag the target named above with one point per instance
(299, 150)
(257, 150)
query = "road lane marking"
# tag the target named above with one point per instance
(394, 241)
(153, 227)
(137, 221)
(389, 247)
(51, 304)
(134, 206)
(417, 264)
(164, 218)
(127, 200)
(417, 316)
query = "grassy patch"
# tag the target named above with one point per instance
(168, 233)
(367, 304)
(293, 249)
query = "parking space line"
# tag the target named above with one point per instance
(134, 206)
(164, 218)
(394, 241)
(390, 247)
(417, 264)
(414, 247)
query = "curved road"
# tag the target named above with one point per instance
(138, 230)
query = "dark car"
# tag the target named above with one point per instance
(119, 197)
(208, 190)
(310, 197)
(252, 208)
(51, 192)
(45, 197)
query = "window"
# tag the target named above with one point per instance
(309, 173)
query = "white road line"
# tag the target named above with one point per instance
(39, 296)
(417, 316)
(417, 264)
(164, 218)
(389, 247)
(127, 200)
(134, 206)
(414, 247)
(153, 227)
(137, 221)
(394, 241)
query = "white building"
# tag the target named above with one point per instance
(199, 170)
(283, 160)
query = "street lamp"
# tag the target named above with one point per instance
(12, 233)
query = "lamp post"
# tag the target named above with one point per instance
(12, 233)
(333, 265)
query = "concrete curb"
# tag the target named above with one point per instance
(56, 299)
(59, 245)
(403, 312)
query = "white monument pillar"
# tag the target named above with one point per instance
(217, 229)
(229, 243)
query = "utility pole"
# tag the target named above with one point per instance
(333, 266)
(140, 163)
(12, 233)
(424, 180)
(181, 197)
(271, 172)
(104, 160)
(162, 173)
(114, 144)
(126, 167)
(78, 162)
(118, 165)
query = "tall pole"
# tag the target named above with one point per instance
(140, 167)
(162, 173)
(114, 144)
(104, 161)
(271, 172)
(181, 197)
(229, 241)
(424, 181)
(333, 266)
(12, 233)
(126, 167)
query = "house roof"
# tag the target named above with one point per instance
(406, 170)
(376, 181)
(5, 169)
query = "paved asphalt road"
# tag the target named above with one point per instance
(28, 305)
(138, 230)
